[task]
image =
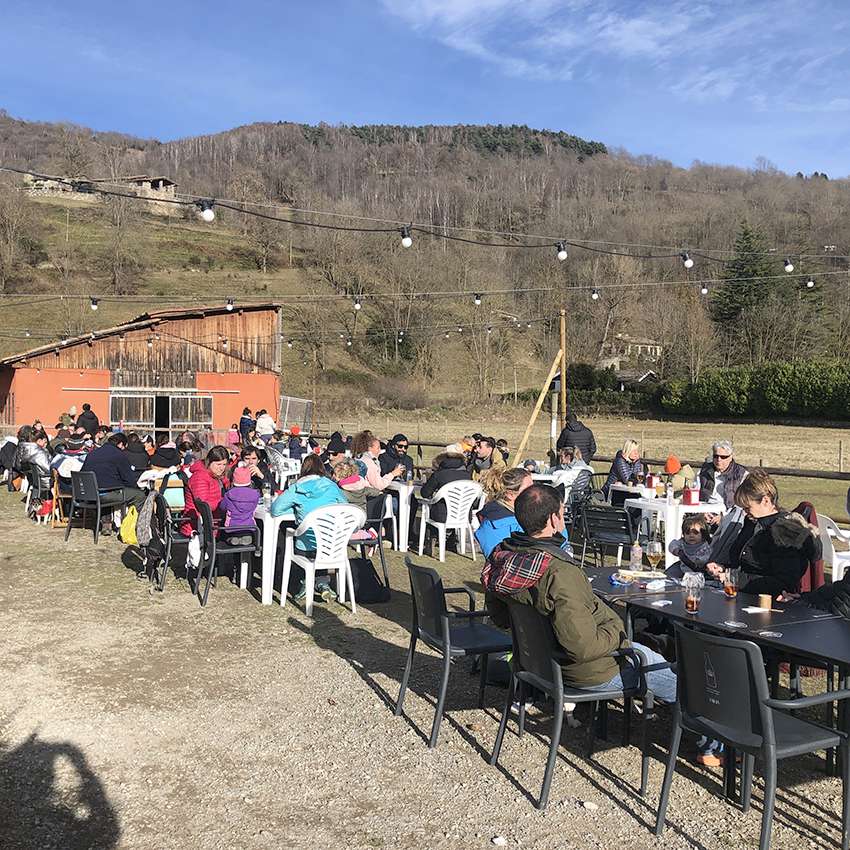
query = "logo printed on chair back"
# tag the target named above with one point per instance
(711, 688)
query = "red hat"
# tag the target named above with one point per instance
(295, 430)
(673, 465)
(241, 477)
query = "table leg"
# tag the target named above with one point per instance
(671, 532)
(403, 517)
(270, 528)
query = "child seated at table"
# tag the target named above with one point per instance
(693, 548)
(239, 503)
(357, 491)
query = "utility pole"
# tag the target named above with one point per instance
(563, 416)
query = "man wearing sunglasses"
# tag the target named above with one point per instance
(396, 454)
(720, 477)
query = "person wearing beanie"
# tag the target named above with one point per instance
(239, 504)
(672, 465)
(296, 450)
(334, 453)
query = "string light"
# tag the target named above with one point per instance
(477, 299)
(562, 251)
(459, 329)
(703, 290)
(348, 342)
(150, 342)
(229, 306)
(406, 239)
(687, 262)
(93, 303)
(205, 205)
(595, 295)
(810, 284)
(489, 329)
(789, 266)
(357, 304)
(27, 334)
(224, 343)
(447, 334)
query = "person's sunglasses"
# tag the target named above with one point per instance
(722, 457)
(401, 446)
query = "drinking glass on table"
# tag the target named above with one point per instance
(730, 583)
(654, 553)
(693, 584)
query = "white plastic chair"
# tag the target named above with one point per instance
(459, 497)
(838, 560)
(332, 526)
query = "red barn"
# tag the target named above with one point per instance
(166, 371)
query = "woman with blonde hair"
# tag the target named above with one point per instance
(496, 518)
(626, 467)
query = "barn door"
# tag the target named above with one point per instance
(191, 413)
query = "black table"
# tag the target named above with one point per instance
(601, 585)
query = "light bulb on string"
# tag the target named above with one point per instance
(206, 208)
(406, 238)
(93, 303)
(489, 329)
(477, 299)
(810, 284)
(229, 305)
(595, 295)
(789, 266)
(687, 262)
(150, 342)
(459, 329)
(289, 344)
(224, 343)
(447, 334)
(703, 290)
(528, 325)
(357, 304)
(27, 334)
(562, 251)
(348, 342)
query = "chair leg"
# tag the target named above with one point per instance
(405, 676)
(96, 523)
(471, 541)
(520, 691)
(747, 781)
(310, 586)
(441, 701)
(557, 724)
(506, 713)
(591, 729)
(648, 705)
(769, 799)
(483, 680)
(461, 537)
(384, 566)
(441, 535)
(350, 579)
(845, 796)
(211, 576)
(422, 523)
(70, 519)
(668, 774)
(583, 552)
(341, 585)
(243, 572)
(627, 721)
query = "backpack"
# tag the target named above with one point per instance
(368, 588)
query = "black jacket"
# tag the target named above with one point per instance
(390, 458)
(164, 457)
(88, 420)
(778, 553)
(833, 597)
(732, 479)
(112, 468)
(139, 459)
(246, 424)
(579, 435)
(452, 468)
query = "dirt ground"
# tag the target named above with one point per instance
(132, 720)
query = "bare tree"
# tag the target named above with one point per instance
(16, 221)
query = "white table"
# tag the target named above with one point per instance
(671, 516)
(271, 529)
(635, 489)
(405, 490)
(545, 477)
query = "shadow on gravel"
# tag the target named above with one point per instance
(50, 798)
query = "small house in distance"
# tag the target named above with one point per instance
(155, 189)
(171, 370)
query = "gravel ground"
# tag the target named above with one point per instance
(135, 720)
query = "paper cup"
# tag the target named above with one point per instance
(765, 600)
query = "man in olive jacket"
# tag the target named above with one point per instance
(532, 567)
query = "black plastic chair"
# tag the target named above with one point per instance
(603, 526)
(212, 548)
(86, 497)
(38, 488)
(165, 535)
(536, 663)
(723, 694)
(434, 625)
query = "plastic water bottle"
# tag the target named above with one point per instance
(669, 494)
(267, 497)
(636, 556)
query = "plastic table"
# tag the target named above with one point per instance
(271, 530)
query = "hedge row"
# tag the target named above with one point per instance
(805, 390)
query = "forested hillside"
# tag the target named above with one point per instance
(508, 180)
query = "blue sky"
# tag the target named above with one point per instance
(717, 81)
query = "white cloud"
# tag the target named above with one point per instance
(773, 53)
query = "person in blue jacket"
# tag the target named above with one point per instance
(496, 518)
(312, 490)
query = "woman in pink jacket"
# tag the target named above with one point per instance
(366, 447)
(206, 484)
